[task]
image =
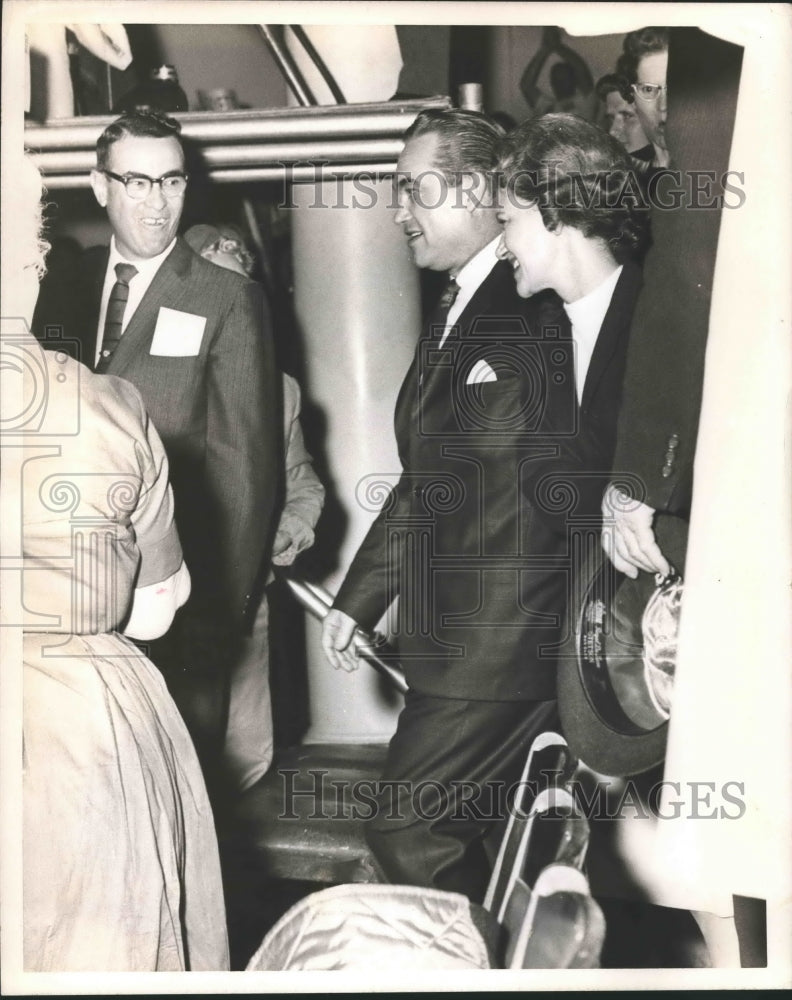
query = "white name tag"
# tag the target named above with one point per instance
(481, 372)
(177, 334)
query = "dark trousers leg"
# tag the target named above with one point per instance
(195, 664)
(450, 766)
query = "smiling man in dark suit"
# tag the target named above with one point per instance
(195, 340)
(470, 538)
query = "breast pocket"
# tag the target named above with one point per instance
(504, 404)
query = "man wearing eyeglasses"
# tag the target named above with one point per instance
(195, 340)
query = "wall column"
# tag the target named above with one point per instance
(357, 301)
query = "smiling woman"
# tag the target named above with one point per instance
(558, 232)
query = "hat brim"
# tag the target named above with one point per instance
(201, 236)
(598, 732)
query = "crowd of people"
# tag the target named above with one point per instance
(528, 384)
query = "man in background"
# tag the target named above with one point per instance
(196, 341)
(249, 740)
(620, 119)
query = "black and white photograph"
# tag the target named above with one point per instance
(396, 545)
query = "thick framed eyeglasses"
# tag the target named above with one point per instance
(138, 186)
(649, 92)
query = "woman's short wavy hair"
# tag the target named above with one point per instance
(578, 176)
(29, 241)
(638, 44)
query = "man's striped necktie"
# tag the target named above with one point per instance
(114, 320)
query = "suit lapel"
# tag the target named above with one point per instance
(165, 288)
(615, 326)
(424, 377)
(483, 298)
(425, 370)
(480, 305)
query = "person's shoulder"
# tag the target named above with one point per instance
(108, 395)
(502, 284)
(544, 313)
(115, 397)
(496, 305)
(104, 410)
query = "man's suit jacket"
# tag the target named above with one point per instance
(473, 538)
(216, 404)
(665, 370)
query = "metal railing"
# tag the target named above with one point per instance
(318, 602)
(248, 146)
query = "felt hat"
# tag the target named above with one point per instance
(614, 686)
(202, 236)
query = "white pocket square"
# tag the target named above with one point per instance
(177, 334)
(481, 372)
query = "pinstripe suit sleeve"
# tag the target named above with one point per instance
(243, 441)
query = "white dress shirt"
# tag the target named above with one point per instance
(586, 316)
(469, 279)
(138, 286)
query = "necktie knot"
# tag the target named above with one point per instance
(125, 272)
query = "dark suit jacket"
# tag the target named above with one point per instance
(665, 371)
(473, 539)
(216, 407)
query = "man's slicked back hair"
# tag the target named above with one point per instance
(467, 141)
(139, 125)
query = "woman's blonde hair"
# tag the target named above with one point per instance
(23, 226)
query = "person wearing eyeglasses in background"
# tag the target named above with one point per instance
(196, 342)
(644, 62)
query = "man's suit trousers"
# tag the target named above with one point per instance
(445, 787)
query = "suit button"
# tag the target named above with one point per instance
(669, 457)
(666, 471)
(673, 441)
